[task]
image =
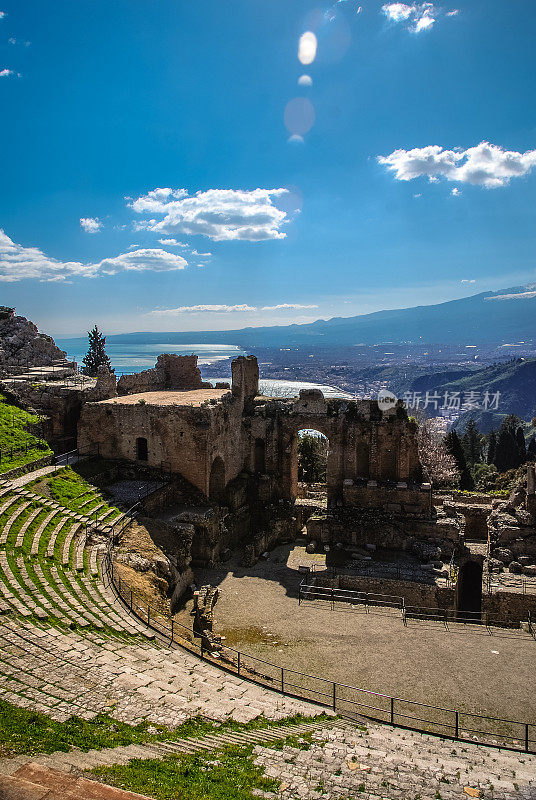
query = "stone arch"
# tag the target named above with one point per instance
(142, 451)
(259, 456)
(216, 485)
(389, 459)
(469, 591)
(362, 459)
(291, 454)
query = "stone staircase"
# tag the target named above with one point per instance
(78, 760)
(49, 565)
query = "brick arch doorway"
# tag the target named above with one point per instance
(469, 591)
(216, 485)
(310, 455)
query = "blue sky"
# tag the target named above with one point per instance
(363, 186)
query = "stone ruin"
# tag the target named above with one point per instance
(232, 459)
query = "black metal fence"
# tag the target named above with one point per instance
(33, 445)
(349, 701)
(372, 602)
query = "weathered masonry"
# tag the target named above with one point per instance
(169, 417)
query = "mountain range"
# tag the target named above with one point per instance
(491, 318)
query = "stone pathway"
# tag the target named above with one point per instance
(382, 763)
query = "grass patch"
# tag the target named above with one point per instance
(229, 773)
(68, 488)
(15, 434)
(29, 732)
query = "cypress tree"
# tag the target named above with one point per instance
(531, 449)
(492, 444)
(454, 446)
(472, 443)
(96, 355)
(521, 445)
(507, 450)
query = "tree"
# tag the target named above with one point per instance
(438, 464)
(507, 450)
(454, 447)
(312, 458)
(484, 476)
(472, 443)
(492, 444)
(521, 445)
(96, 355)
(531, 449)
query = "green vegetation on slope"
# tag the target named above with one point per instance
(23, 731)
(201, 776)
(70, 489)
(14, 435)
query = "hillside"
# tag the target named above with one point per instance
(493, 318)
(515, 381)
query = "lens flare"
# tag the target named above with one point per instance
(299, 116)
(307, 47)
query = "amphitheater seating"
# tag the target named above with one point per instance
(49, 565)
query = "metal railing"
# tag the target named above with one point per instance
(7, 453)
(372, 602)
(349, 701)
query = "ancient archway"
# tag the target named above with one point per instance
(310, 453)
(259, 456)
(469, 591)
(142, 453)
(216, 490)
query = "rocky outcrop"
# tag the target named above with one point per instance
(22, 345)
(512, 526)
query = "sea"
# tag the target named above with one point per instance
(214, 361)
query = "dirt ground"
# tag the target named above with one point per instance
(464, 667)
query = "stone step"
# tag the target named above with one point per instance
(74, 531)
(54, 536)
(27, 522)
(11, 521)
(40, 530)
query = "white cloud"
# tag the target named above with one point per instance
(397, 12)
(484, 165)
(227, 308)
(153, 201)
(419, 16)
(151, 259)
(90, 224)
(280, 306)
(203, 309)
(305, 80)
(172, 243)
(2, 14)
(220, 214)
(6, 73)
(201, 255)
(26, 263)
(455, 192)
(467, 280)
(307, 47)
